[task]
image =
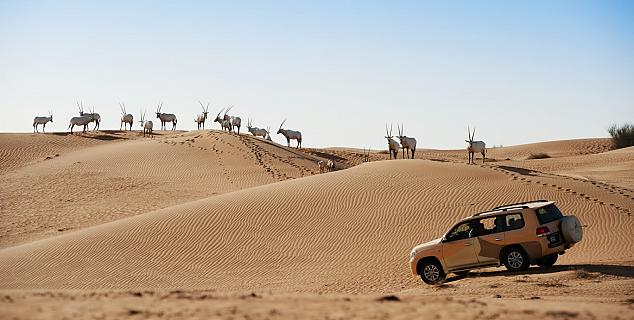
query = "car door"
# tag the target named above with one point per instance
(491, 241)
(458, 249)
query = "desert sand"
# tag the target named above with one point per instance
(206, 224)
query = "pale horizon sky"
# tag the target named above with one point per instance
(519, 72)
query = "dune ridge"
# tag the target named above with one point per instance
(348, 231)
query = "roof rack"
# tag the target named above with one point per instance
(508, 206)
(503, 210)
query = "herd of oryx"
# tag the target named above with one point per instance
(230, 123)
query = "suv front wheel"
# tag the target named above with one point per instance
(431, 272)
(515, 259)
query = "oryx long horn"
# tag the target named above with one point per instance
(281, 124)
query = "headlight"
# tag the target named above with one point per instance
(412, 254)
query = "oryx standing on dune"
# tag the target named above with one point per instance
(201, 118)
(290, 135)
(165, 117)
(255, 130)
(81, 121)
(147, 126)
(93, 115)
(268, 134)
(235, 121)
(126, 118)
(392, 145)
(475, 146)
(406, 142)
(224, 124)
(43, 121)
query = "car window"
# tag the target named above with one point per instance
(548, 214)
(459, 232)
(513, 222)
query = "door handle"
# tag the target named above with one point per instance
(467, 244)
(498, 239)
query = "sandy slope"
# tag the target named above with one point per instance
(348, 231)
(99, 177)
(145, 225)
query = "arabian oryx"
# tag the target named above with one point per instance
(406, 143)
(326, 166)
(475, 146)
(366, 155)
(165, 117)
(268, 134)
(126, 118)
(147, 126)
(224, 124)
(81, 121)
(235, 121)
(94, 116)
(201, 118)
(256, 131)
(290, 135)
(43, 121)
(392, 145)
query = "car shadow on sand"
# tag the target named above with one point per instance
(605, 269)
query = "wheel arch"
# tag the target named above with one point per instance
(420, 262)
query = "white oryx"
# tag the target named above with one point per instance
(366, 156)
(392, 145)
(235, 121)
(93, 115)
(165, 117)
(258, 132)
(147, 126)
(290, 135)
(330, 165)
(43, 121)
(224, 124)
(326, 166)
(406, 142)
(81, 121)
(475, 146)
(268, 134)
(201, 118)
(126, 118)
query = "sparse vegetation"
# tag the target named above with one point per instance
(540, 155)
(622, 136)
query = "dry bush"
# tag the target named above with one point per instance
(622, 136)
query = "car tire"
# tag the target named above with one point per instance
(571, 229)
(431, 272)
(515, 259)
(547, 261)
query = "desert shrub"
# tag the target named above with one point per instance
(622, 136)
(540, 155)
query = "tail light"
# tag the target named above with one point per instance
(541, 231)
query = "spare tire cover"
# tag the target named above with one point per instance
(571, 229)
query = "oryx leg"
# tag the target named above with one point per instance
(413, 150)
(483, 156)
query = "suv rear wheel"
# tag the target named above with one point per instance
(515, 259)
(547, 261)
(431, 272)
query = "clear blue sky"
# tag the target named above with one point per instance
(518, 71)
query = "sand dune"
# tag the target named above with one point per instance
(348, 231)
(96, 223)
(89, 179)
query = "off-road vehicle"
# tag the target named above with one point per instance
(517, 235)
